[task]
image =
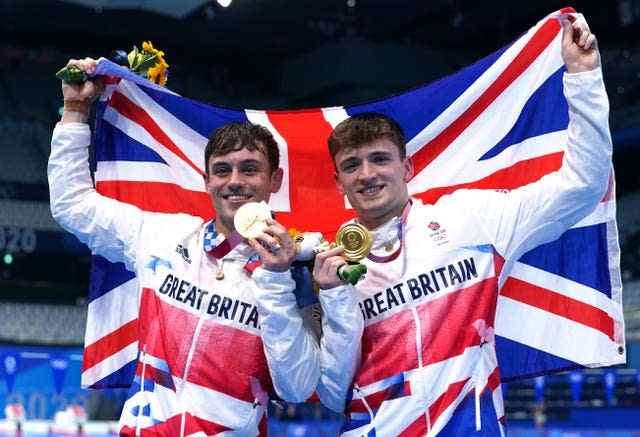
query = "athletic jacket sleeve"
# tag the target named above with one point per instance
(340, 350)
(291, 350)
(110, 228)
(519, 220)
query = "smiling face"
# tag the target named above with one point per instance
(236, 178)
(374, 178)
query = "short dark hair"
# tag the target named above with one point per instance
(364, 128)
(236, 136)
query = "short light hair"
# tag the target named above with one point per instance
(364, 128)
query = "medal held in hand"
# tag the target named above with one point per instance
(251, 219)
(356, 241)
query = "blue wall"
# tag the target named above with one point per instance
(43, 379)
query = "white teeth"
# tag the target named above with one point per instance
(371, 190)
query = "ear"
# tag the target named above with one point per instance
(339, 185)
(276, 180)
(408, 169)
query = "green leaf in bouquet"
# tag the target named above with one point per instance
(72, 74)
(133, 58)
(146, 63)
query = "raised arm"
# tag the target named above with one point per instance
(108, 227)
(524, 218)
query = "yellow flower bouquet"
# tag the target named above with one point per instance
(148, 63)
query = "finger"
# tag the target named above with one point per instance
(255, 245)
(272, 222)
(336, 263)
(269, 242)
(87, 65)
(584, 34)
(322, 256)
(99, 84)
(336, 269)
(258, 247)
(280, 233)
(591, 42)
(567, 30)
(332, 264)
(322, 263)
(282, 236)
(583, 21)
(336, 251)
(576, 32)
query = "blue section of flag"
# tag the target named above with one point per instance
(544, 112)
(463, 421)
(114, 145)
(565, 257)
(202, 118)
(108, 68)
(418, 108)
(353, 423)
(105, 276)
(536, 118)
(396, 391)
(121, 378)
(160, 374)
(518, 361)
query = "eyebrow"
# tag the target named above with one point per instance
(257, 162)
(348, 160)
(380, 153)
(242, 164)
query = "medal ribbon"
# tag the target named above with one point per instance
(394, 255)
(226, 246)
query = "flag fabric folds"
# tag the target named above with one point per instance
(497, 124)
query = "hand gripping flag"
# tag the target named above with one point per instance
(497, 124)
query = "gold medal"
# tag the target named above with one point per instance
(251, 219)
(356, 241)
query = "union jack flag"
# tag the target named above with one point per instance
(497, 124)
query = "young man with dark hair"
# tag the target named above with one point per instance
(428, 363)
(215, 340)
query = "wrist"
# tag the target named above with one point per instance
(276, 268)
(330, 285)
(74, 117)
(579, 68)
(76, 111)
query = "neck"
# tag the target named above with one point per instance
(224, 228)
(375, 222)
